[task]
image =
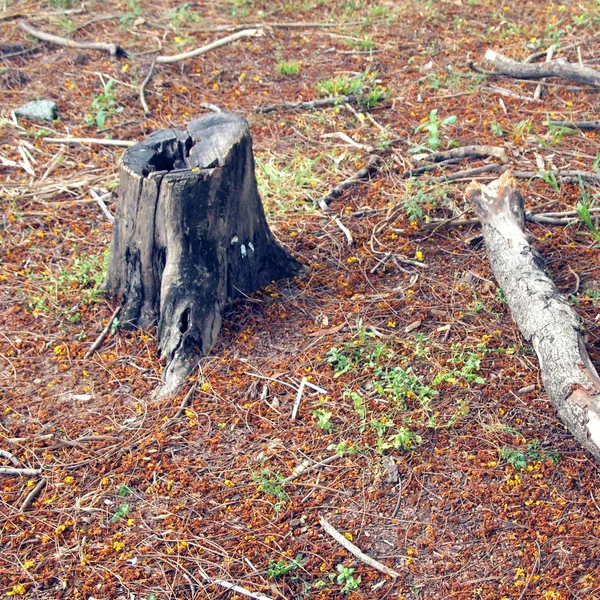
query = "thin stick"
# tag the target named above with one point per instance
(18, 471)
(310, 105)
(147, 79)
(296, 406)
(583, 125)
(112, 49)
(104, 333)
(538, 90)
(373, 164)
(232, 586)
(68, 140)
(355, 550)
(310, 468)
(13, 459)
(100, 201)
(162, 60)
(184, 403)
(503, 92)
(345, 231)
(33, 494)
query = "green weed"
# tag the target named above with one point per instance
(364, 86)
(104, 105)
(271, 484)
(279, 568)
(289, 69)
(345, 578)
(583, 211)
(433, 126)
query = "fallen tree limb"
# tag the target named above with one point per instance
(560, 67)
(163, 60)
(543, 316)
(355, 550)
(310, 105)
(361, 175)
(467, 152)
(112, 49)
(583, 125)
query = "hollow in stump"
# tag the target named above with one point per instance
(190, 235)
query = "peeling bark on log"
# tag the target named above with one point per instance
(543, 316)
(560, 67)
(190, 234)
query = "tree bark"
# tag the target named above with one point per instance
(190, 235)
(560, 67)
(543, 316)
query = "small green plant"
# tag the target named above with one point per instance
(134, 11)
(104, 105)
(433, 126)
(365, 86)
(124, 490)
(280, 568)
(345, 578)
(513, 457)
(550, 178)
(289, 69)
(496, 129)
(323, 418)
(184, 13)
(271, 484)
(557, 132)
(522, 128)
(365, 43)
(121, 513)
(584, 214)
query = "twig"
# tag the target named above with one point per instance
(74, 140)
(10, 456)
(301, 471)
(355, 550)
(146, 81)
(467, 152)
(308, 105)
(210, 106)
(104, 333)
(223, 28)
(538, 90)
(18, 471)
(372, 165)
(345, 231)
(33, 494)
(112, 49)
(162, 60)
(100, 201)
(296, 406)
(503, 92)
(232, 586)
(184, 403)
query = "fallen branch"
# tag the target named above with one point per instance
(163, 60)
(467, 152)
(301, 470)
(355, 550)
(33, 494)
(146, 81)
(19, 471)
(310, 105)
(10, 456)
(373, 164)
(112, 49)
(100, 201)
(560, 67)
(498, 90)
(543, 316)
(345, 231)
(583, 125)
(104, 333)
(122, 143)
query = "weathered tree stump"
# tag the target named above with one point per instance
(543, 316)
(190, 234)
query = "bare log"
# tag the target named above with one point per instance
(560, 67)
(190, 234)
(543, 316)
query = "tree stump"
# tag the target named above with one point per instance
(543, 316)
(190, 235)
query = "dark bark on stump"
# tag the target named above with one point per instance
(190, 234)
(543, 316)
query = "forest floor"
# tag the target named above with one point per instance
(442, 456)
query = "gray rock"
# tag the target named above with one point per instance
(42, 110)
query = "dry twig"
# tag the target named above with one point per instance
(33, 494)
(69, 140)
(112, 49)
(355, 550)
(104, 333)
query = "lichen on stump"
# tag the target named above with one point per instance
(190, 235)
